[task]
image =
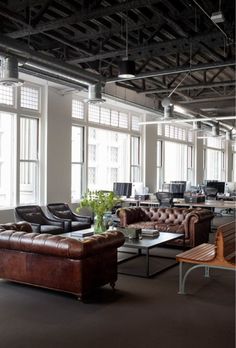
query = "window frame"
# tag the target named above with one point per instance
(19, 112)
(80, 163)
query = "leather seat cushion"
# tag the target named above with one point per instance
(51, 229)
(77, 225)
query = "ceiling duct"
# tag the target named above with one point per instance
(215, 130)
(197, 126)
(168, 108)
(10, 72)
(95, 94)
(46, 64)
(228, 135)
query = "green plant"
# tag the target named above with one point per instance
(100, 202)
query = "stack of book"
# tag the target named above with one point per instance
(147, 232)
(82, 233)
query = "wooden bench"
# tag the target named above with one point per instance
(219, 255)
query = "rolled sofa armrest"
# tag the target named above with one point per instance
(130, 215)
(197, 226)
(201, 214)
(17, 226)
(55, 245)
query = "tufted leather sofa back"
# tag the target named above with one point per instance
(163, 215)
(168, 215)
(60, 246)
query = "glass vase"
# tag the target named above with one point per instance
(99, 225)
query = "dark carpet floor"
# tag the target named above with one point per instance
(141, 312)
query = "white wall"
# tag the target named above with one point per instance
(150, 157)
(198, 164)
(58, 148)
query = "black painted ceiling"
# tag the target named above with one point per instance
(167, 39)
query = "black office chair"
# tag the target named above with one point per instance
(73, 222)
(165, 199)
(38, 220)
(210, 192)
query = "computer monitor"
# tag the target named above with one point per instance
(230, 187)
(138, 189)
(122, 188)
(219, 185)
(178, 188)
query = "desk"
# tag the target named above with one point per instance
(220, 204)
(150, 203)
(138, 203)
(207, 204)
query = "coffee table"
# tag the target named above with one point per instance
(146, 244)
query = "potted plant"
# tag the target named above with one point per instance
(100, 203)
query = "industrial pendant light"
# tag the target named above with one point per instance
(126, 67)
(10, 73)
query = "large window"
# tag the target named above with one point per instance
(159, 164)
(175, 165)
(234, 167)
(19, 145)
(214, 159)
(135, 159)
(77, 158)
(29, 180)
(174, 154)
(112, 146)
(107, 158)
(7, 159)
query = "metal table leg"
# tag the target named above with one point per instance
(147, 262)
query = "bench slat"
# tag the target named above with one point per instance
(203, 252)
(219, 255)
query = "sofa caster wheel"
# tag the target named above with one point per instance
(112, 284)
(81, 298)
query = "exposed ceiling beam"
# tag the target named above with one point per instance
(15, 17)
(19, 6)
(190, 87)
(41, 12)
(178, 70)
(160, 49)
(209, 100)
(82, 16)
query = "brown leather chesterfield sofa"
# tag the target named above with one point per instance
(194, 223)
(56, 262)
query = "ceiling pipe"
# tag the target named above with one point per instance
(29, 58)
(53, 78)
(58, 74)
(179, 70)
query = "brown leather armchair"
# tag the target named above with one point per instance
(73, 222)
(40, 223)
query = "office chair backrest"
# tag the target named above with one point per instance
(210, 192)
(165, 199)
